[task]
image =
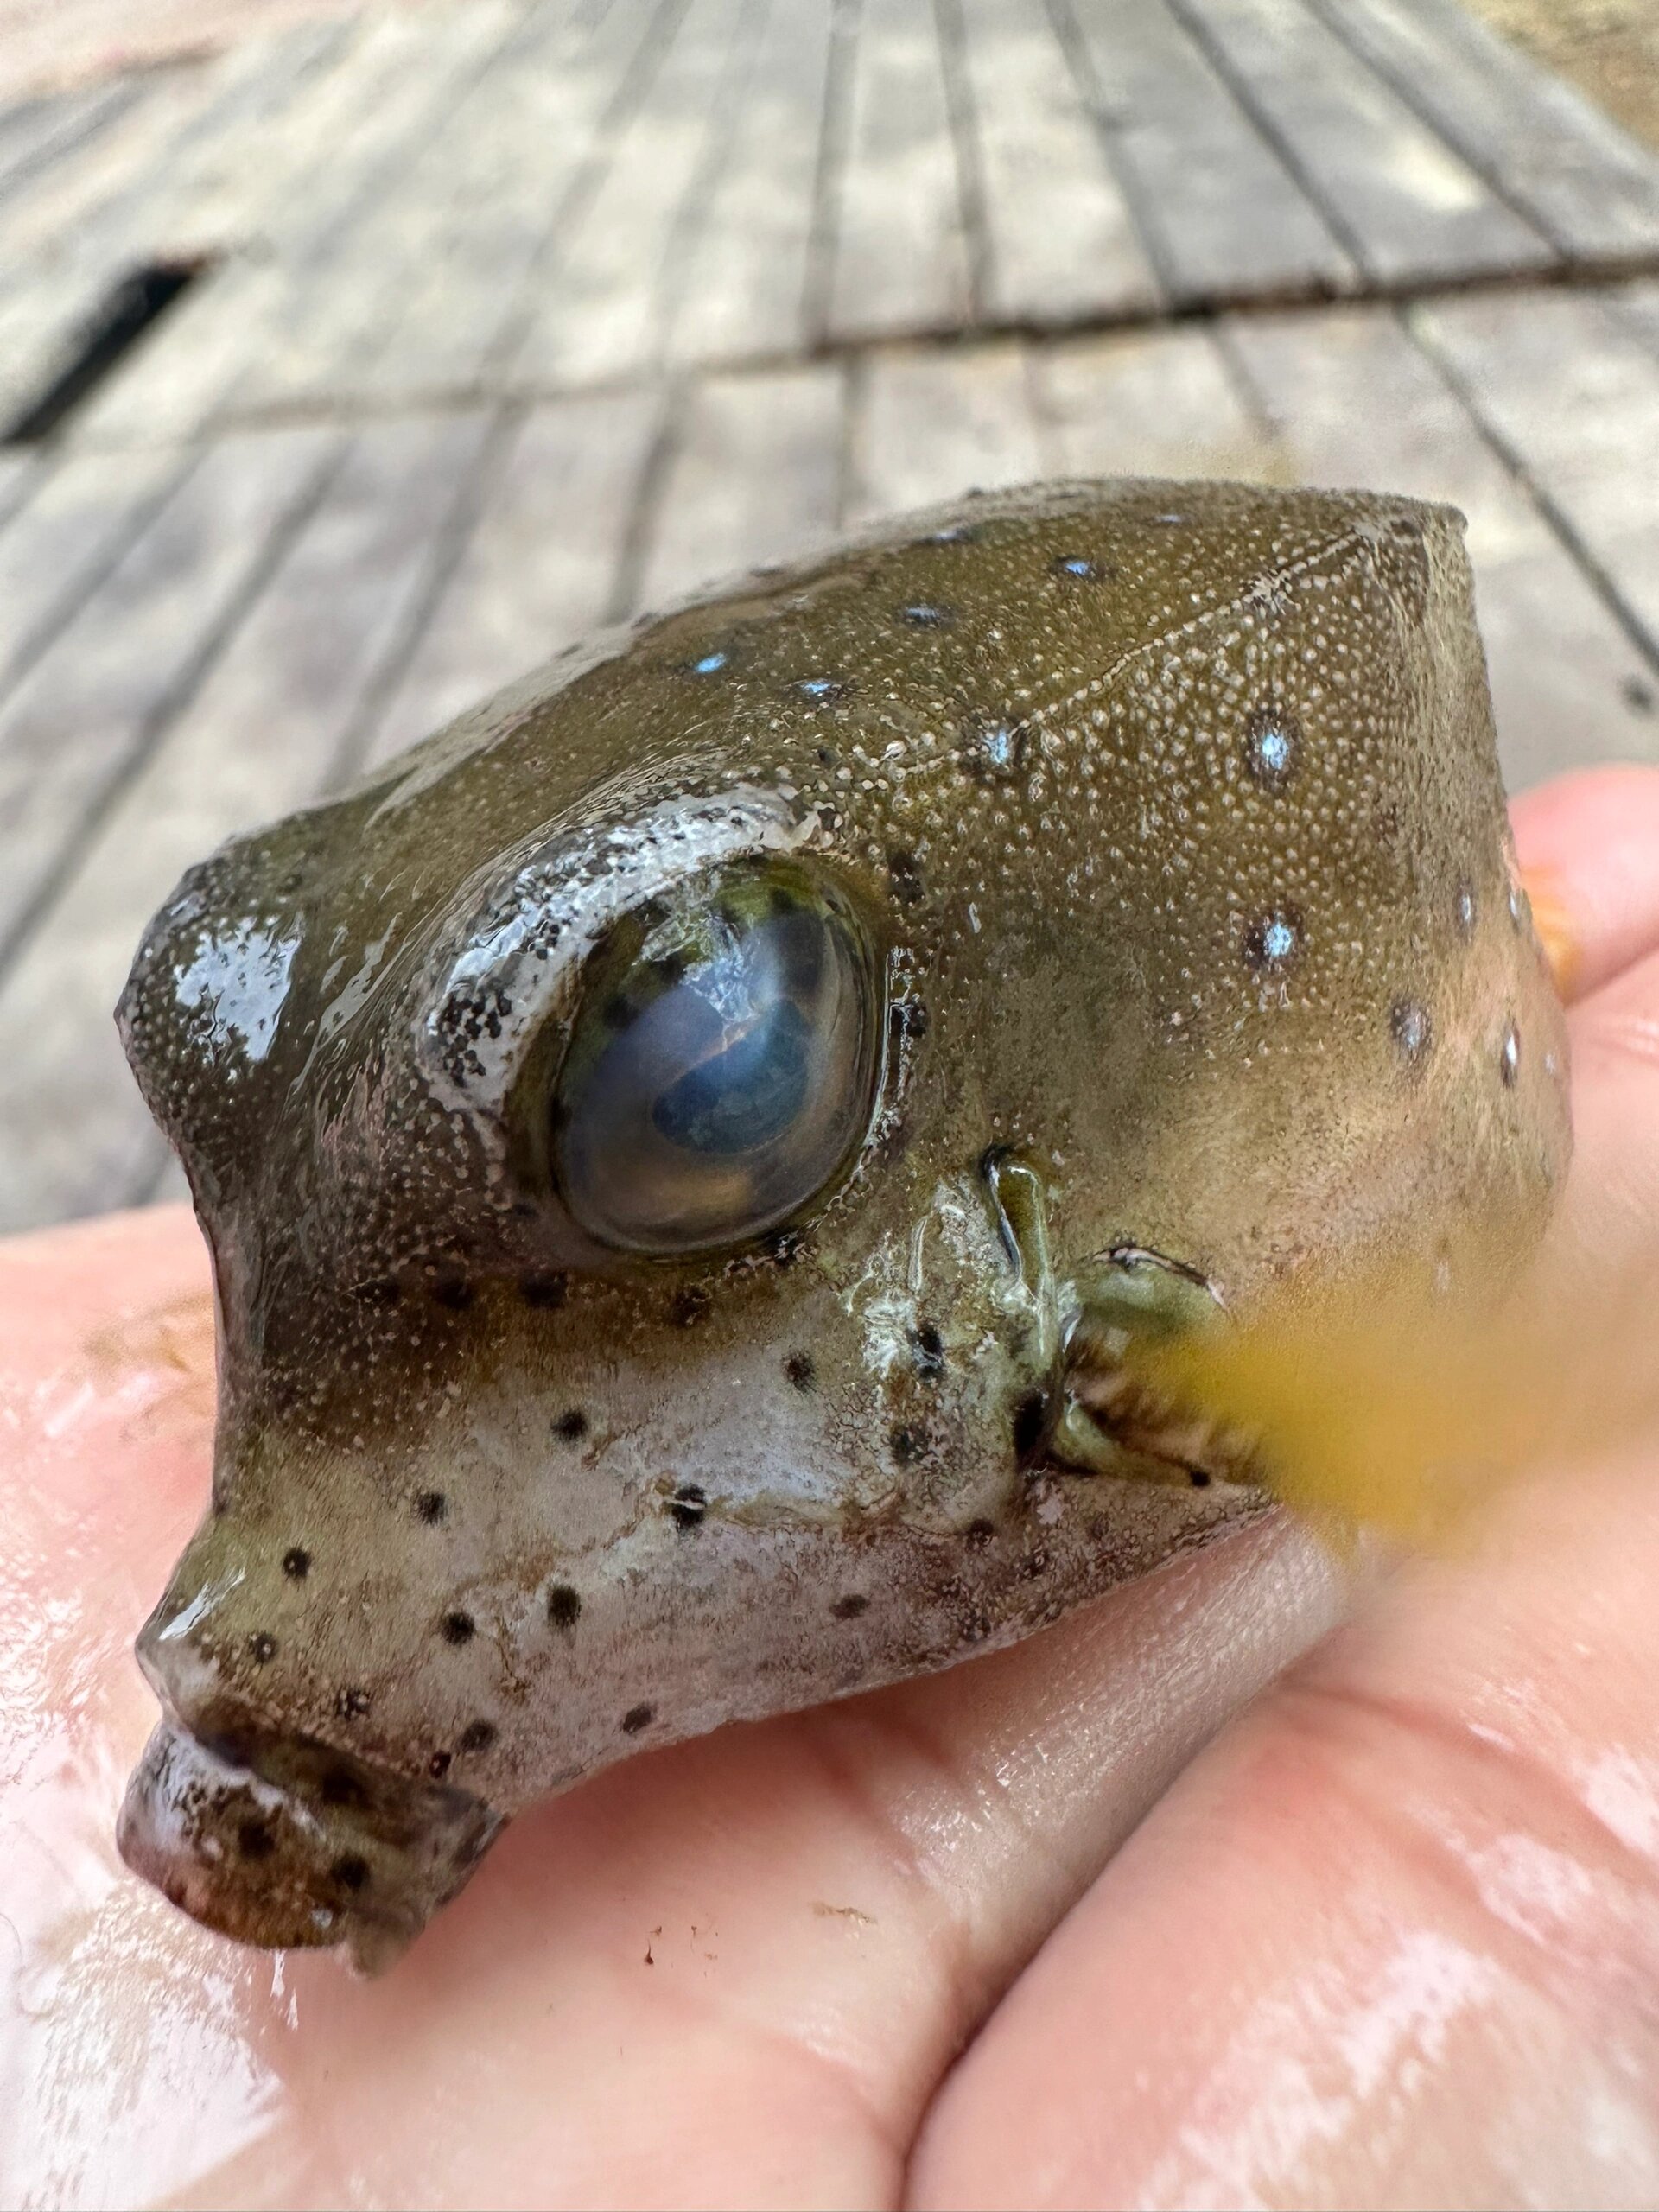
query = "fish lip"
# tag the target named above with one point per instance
(1108, 1417)
(237, 1832)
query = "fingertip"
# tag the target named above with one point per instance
(1588, 847)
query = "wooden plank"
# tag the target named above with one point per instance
(1150, 402)
(1638, 307)
(744, 288)
(463, 297)
(240, 335)
(87, 510)
(1223, 217)
(1553, 153)
(1593, 462)
(932, 424)
(900, 248)
(1358, 403)
(33, 133)
(753, 476)
(44, 219)
(90, 706)
(1061, 241)
(332, 285)
(1407, 208)
(540, 567)
(608, 296)
(74, 1136)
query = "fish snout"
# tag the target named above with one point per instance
(283, 1842)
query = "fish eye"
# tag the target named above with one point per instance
(722, 1063)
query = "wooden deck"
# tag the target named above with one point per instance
(520, 314)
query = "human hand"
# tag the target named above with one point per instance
(1391, 1935)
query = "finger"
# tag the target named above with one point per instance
(1393, 1937)
(1588, 845)
(769, 1943)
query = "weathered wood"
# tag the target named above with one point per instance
(1356, 402)
(1585, 182)
(616, 272)
(1404, 204)
(1571, 395)
(247, 335)
(931, 425)
(463, 286)
(1224, 219)
(74, 1135)
(1061, 241)
(744, 293)
(540, 566)
(88, 708)
(753, 476)
(33, 133)
(1151, 403)
(1638, 307)
(86, 511)
(901, 243)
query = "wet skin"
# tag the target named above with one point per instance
(682, 1150)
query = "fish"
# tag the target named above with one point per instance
(693, 1152)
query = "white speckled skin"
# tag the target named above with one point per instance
(1173, 817)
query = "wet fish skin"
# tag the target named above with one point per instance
(1134, 858)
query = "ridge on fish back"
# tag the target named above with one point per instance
(687, 1150)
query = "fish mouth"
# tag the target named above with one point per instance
(284, 1843)
(1113, 1412)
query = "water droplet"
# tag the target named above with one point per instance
(1411, 1028)
(1073, 564)
(1463, 907)
(709, 663)
(820, 688)
(1509, 1057)
(922, 615)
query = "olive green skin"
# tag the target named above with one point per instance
(1238, 1005)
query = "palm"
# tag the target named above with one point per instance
(1367, 1947)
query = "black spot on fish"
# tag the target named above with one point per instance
(636, 1718)
(1030, 1420)
(297, 1563)
(571, 1428)
(255, 1840)
(459, 1628)
(341, 1788)
(927, 1348)
(450, 1288)
(438, 1766)
(905, 871)
(380, 1291)
(351, 1872)
(688, 1306)
(909, 1018)
(800, 1371)
(352, 1704)
(980, 1533)
(262, 1649)
(689, 1504)
(431, 1506)
(907, 1445)
(850, 1608)
(785, 1246)
(478, 1735)
(564, 1605)
(543, 1289)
